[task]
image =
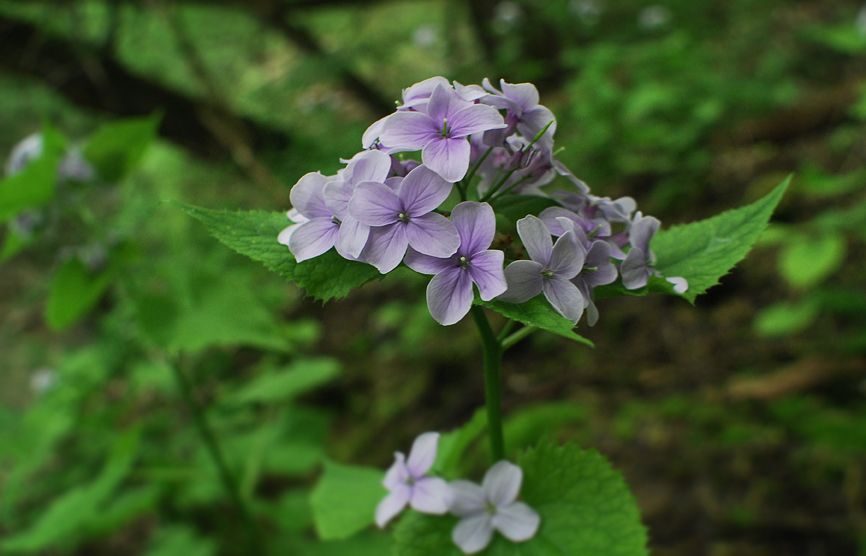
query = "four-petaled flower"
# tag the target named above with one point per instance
(408, 483)
(449, 294)
(636, 268)
(404, 217)
(551, 269)
(440, 131)
(491, 507)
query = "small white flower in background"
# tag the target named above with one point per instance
(589, 11)
(491, 507)
(43, 380)
(653, 17)
(861, 20)
(23, 153)
(408, 483)
(425, 36)
(507, 13)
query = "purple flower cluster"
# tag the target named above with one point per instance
(483, 509)
(478, 145)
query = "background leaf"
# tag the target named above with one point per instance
(345, 499)
(116, 147)
(74, 291)
(811, 259)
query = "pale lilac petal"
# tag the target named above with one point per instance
(371, 135)
(536, 238)
(394, 183)
(392, 504)
(432, 234)
(420, 92)
(524, 95)
(444, 103)
(313, 238)
(352, 237)
(398, 473)
(517, 522)
(633, 269)
(524, 281)
(467, 498)
(385, 247)
(473, 534)
(551, 215)
(447, 157)
(469, 93)
(296, 216)
(567, 256)
(681, 285)
(598, 268)
(425, 264)
(375, 204)
(486, 271)
(564, 297)
(423, 453)
(369, 166)
(501, 483)
(337, 195)
(423, 190)
(475, 118)
(533, 121)
(307, 196)
(286, 234)
(431, 495)
(449, 296)
(409, 131)
(476, 224)
(642, 231)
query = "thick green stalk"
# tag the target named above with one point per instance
(492, 382)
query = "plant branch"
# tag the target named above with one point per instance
(492, 382)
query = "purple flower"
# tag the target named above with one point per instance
(520, 100)
(440, 131)
(408, 483)
(404, 217)
(449, 294)
(637, 266)
(551, 269)
(491, 507)
(320, 216)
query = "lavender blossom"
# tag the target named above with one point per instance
(523, 113)
(637, 266)
(404, 218)
(492, 507)
(449, 294)
(550, 270)
(440, 131)
(409, 485)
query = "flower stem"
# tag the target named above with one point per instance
(228, 478)
(492, 382)
(517, 336)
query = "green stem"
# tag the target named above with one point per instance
(517, 336)
(229, 481)
(477, 165)
(492, 382)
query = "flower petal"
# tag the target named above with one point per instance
(420, 92)
(423, 190)
(443, 104)
(501, 483)
(467, 498)
(567, 256)
(681, 285)
(408, 131)
(642, 230)
(369, 166)
(375, 204)
(536, 238)
(286, 234)
(352, 237)
(564, 297)
(524, 281)
(524, 95)
(432, 234)
(337, 194)
(533, 121)
(392, 504)
(476, 224)
(486, 271)
(307, 195)
(447, 157)
(425, 264)
(473, 534)
(313, 238)
(517, 522)
(423, 454)
(397, 474)
(449, 296)
(634, 270)
(371, 135)
(475, 118)
(385, 247)
(431, 495)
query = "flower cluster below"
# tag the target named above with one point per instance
(479, 146)
(483, 509)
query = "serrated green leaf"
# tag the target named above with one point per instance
(704, 251)
(585, 506)
(254, 234)
(537, 312)
(344, 500)
(808, 260)
(116, 148)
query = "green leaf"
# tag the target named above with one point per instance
(254, 234)
(525, 427)
(537, 312)
(454, 444)
(74, 291)
(808, 260)
(786, 318)
(704, 251)
(280, 385)
(116, 148)
(34, 186)
(515, 207)
(344, 500)
(585, 506)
